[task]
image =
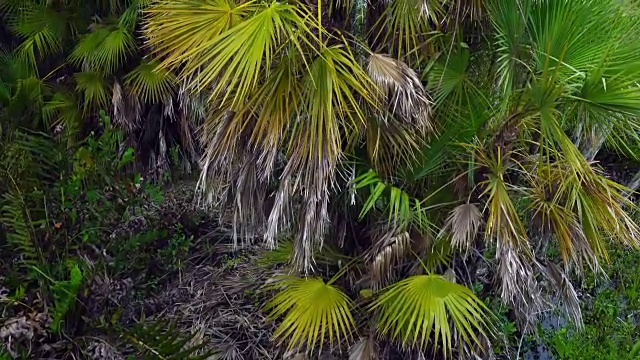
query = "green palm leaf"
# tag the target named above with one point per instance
(176, 27)
(104, 49)
(130, 16)
(313, 310)
(94, 88)
(236, 57)
(402, 210)
(423, 305)
(405, 24)
(62, 109)
(150, 82)
(42, 30)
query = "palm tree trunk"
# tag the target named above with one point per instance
(633, 185)
(591, 142)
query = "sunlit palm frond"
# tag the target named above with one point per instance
(600, 206)
(329, 116)
(276, 104)
(94, 88)
(176, 27)
(150, 82)
(313, 312)
(414, 309)
(235, 57)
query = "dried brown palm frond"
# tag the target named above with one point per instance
(391, 144)
(365, 349)
(518, 286)
(229, 175)
(385, 254)
(463, 223)
(127, 109)
(405, 95)
(561, 286)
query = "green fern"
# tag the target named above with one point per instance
(64, 296)
(20, 230)
(161, 340)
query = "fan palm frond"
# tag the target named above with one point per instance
(405, 24)
(42, 30)
(63, 111)
(176, 27)
(503, 221)
(463, 223)
(313, 311)
(398, 131)
(104, 49)
(233, 58)
(386, 253)
(415, 308)
(404, 93)
(562, 50)
(132, 14)
(94, 88)
(150, 82)
(402, 210)
(392, 145)
(329, 116)
(509, 21)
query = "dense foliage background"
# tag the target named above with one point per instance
(387, 179)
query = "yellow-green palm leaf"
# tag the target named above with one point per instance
(313, 310)
(176, 27)
(232, 59)
(150, 82)
(423, 305)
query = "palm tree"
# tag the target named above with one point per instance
(423, 139)
(62, 62)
